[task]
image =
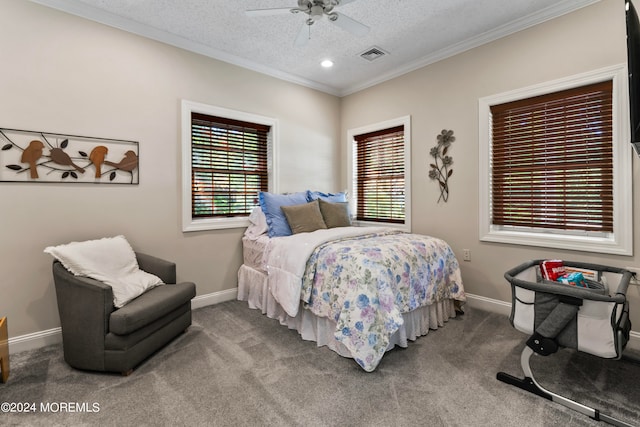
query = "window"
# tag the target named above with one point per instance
(225, 165)
(552, 163)
(228, 165)
(555, 165)
(380, 190)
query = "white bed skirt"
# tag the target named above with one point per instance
(252, 287)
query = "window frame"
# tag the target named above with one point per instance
(620, 241)
(352, 169)
(189, 223)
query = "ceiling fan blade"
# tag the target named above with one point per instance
(303, 36)
(343, 2)
(351, 25)
(269, 12)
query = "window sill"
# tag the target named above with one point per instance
(602, 245)
(402, 227)
(214, 224)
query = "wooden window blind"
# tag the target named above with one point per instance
(380, 177)
(228, 165)
(552, 160)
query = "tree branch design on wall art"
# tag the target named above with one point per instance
(441, 169)
(30, 156)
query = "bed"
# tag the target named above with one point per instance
(360, 291)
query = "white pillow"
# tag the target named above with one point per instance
(110, 260)
(257, 224)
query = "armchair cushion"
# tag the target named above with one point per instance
(153, 305)
(109, 260)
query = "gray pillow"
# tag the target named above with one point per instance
(304, 218)
(335, 214)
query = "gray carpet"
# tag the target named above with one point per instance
(235, 367)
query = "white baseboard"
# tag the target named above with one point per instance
(488, 304)
(634, 341)
(214, 298)
(35, 340)
(54, 336)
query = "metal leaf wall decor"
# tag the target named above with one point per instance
(29, 156)
(441, 169)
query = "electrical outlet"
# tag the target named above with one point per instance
(635, 280)
(466, 254)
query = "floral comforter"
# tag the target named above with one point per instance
(365, 283)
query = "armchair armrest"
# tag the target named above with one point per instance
(165, 270)
(84, 306)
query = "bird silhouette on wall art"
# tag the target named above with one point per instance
(31, 154)
(128, 163)
(97, 156)
(60, 157)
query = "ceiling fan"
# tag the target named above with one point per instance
(315, 10)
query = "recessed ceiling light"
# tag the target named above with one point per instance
(327, 63)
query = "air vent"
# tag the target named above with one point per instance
(373, 54)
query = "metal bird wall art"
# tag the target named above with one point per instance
(28, 156)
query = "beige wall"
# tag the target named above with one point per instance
(63, 74)
(445, 96)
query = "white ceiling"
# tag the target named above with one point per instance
(414, 33)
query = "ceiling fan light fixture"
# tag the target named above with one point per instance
(316, 12)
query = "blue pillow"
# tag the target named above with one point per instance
(271, 203)
(327, 197)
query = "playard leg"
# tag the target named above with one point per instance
(529, 384)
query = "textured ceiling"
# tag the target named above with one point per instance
(413, 32)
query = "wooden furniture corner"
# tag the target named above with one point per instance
(4, 350)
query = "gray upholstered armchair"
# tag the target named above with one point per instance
(97, 336)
